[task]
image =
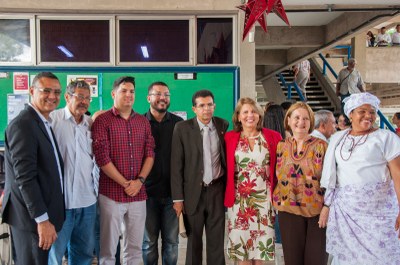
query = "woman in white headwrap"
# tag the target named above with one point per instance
(361, 174)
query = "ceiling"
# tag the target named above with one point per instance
(329, 10)
(317, 25)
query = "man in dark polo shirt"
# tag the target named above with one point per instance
(160, 213)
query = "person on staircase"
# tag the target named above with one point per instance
(349, 82)
(302, 72)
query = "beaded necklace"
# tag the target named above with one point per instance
(354, 143)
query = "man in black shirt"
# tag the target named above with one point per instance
(160, 214)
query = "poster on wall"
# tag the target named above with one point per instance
(15, 103)
(182, 114)
(92, 80)
(21, 83)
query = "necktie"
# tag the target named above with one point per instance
(208, 176)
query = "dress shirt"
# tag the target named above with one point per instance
(215, 150)
(125, 143)
(75, 144)
(46, 122)
(396, 38)
(158, 182)
(304, 66)
(319, 135)
(383, 37)
(350, 83)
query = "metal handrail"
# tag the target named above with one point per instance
(326, 64)
(289, 86)
(383, 120)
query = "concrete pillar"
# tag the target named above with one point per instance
(358, 51)
(247, 62)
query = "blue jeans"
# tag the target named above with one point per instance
(278, 238)
(160, 217)
(78, 234)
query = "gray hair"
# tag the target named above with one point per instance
(322, 117)
(352, 60)
(77, 84)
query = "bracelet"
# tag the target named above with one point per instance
(327, 206)
(142, 179)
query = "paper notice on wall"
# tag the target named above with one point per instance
(92, 80)
(182, 114)
(15, 103)
(21, 82)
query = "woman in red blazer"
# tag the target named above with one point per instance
(251, 158)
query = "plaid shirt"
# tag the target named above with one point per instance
(125, 143)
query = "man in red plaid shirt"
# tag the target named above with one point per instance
(124, 151)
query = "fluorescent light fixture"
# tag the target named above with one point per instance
(145, 51)
(65, 51)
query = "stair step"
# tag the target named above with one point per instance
(316, 97)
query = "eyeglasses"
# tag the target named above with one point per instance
(166, 95)
(206, 106)
(82, 98)
(48, 91)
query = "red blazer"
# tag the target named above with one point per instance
(231, 140)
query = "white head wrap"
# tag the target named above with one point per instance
(358, 99)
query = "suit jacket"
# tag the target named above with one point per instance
(231, 141)
(32, 185)
(187, 161)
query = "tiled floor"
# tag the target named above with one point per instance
(182, 253)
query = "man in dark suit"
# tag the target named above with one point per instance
(198, 178)
(33, 202)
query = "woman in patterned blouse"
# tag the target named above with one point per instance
(298, 196)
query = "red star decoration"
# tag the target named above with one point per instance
(277, 7)
(256, 10)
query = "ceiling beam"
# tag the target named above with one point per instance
(270, 57)
(290, 37)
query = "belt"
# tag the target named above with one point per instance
(214, 181)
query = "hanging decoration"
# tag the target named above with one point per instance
(256, 10)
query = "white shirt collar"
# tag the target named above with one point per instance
(41, 115)
(202, 125)
(68, 116)
(319, 135)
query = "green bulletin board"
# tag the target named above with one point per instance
(221, 81)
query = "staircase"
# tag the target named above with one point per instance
(316, 97)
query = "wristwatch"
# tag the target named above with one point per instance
(142, 179)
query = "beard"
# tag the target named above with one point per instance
(160, 110)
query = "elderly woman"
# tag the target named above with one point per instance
(251, 157)
(298, 196)
(361, 175)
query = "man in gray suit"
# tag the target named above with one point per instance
(33, 202)
(198, 178)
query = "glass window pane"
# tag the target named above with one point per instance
(214, 41)
(75, 40)
(154, 40)
(15, 40)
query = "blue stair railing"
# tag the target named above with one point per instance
(289, 86)
(327, 65)
(383, 120)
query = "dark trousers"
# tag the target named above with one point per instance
(210, 213)
(303, 242)
(342, 97)
(27, 249)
